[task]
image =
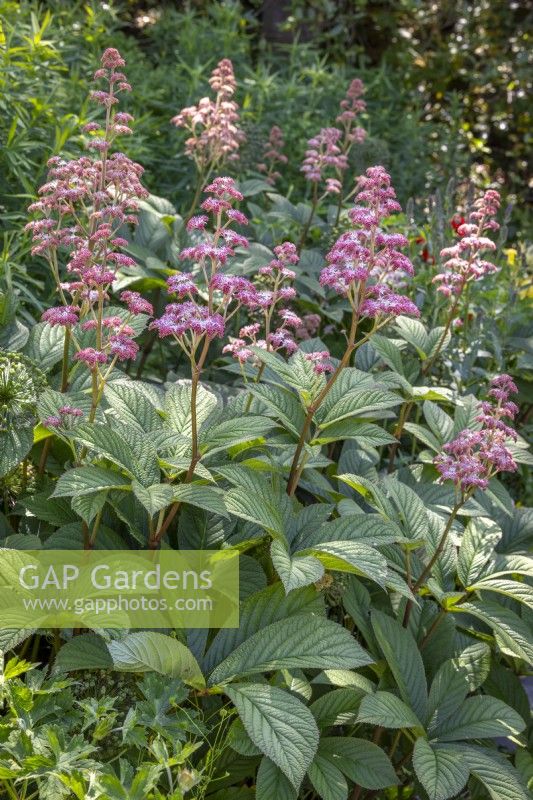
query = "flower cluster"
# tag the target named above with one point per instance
(330, 148)
(215, 136)
(266, 298)
(65, 418)
(475, 456)
(353, 105)
(464, 260)
(273, 154)
(189, 321)
(83, 205)
(324, 151)
(369, 254)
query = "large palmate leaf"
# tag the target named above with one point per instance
(147, 651)
(209, 498)
(154, 497)
(256, 502)
(306, 641)
(45, 345)
(279, 724)
(130, 406)
(442, 773)
(404, 661)
(350, 557)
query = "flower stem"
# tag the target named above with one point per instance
(310, 218)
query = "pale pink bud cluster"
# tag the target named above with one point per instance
(474, 457)
(369, 254)
(353, 105)
(273, 155)
(464, 260)
(321, 361)
(324, 151)
(83, 205)
(215, 136)
(309, 327)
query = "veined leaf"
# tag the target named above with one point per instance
(283, 404)
(89, 479)
(357, 403)
(441, 772)
(338, 707)
(279, 724)
(230, 432)
(453, 682)
(424, 435)
(413, 332)
(147, 651)
(404, 660)
(87, 651)
(438, 420)
(361, 761)
(480, 717)
(327, 780)
(271, 782)
(350, 557)
(513, 589)
(297, 570)
(255, 507)
(307, 641)
(365, 432)
(154, 497)
(178, 407)
(494, 772)
(390, 352)
(477, 546)
(131, 406)
(209, 498)
(512, 630)
(387, 710)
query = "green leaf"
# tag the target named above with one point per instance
(147, 651)
(271, 782)
(364, 432)
(426, 437)
(510, 628)
(351, 557)
(404, 660)
(130, 406)
(230, 432)
(388, 711)
(358, 402)
(208, 498)
(361, 761)
(154, 497)
(45, 345)
(413, 332)
(87, 651)
(389, 352)
(438, 420)
(513, 589)
(282, 403)
(279, 724)
(294, 571)
(139, 461)
(338, 707)
(307, 641)
(480, 717)
(477, 546)
(178, 407)
(442, 773)
(327, 780)
(495, 773)
(89, 505)
(255, 507)
(453, 682)
(86, 480)
(14, 447)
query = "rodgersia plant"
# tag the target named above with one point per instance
(385, 617)
(212, 125)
